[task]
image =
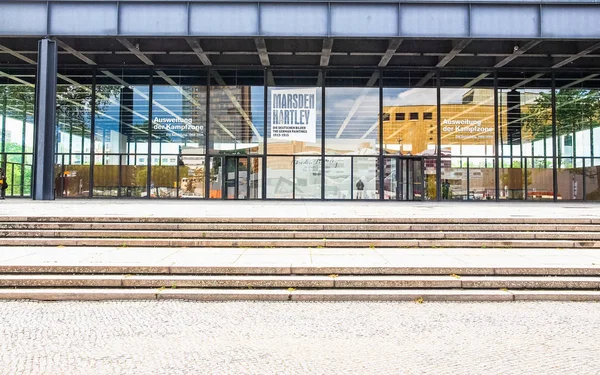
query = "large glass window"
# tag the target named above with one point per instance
(178, 133)
(525, 136)
(467, 135)
(179, 112)
(17, 100)
(280, 177)
(307, 177)
(74, 133)
(352, 112)
(409, 129)
(409, 113)
(122, 133)
(236, 112)
(578, 135)
(166, 133)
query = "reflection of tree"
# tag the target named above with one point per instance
(14, 171)
(74, 102)
(576, 109)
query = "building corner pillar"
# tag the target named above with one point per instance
(45, 121)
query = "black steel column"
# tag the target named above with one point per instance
(554, 141)
(45, 121)
(93, 136)
(150, 124)
(4, 105)
(2, 145)
(207, 168)
(265, 138)
(438, 161)
(323, 72)
(380, 136)
(496, 141)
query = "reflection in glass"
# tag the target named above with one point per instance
(122, 131)
(191, 176)
(403, 135)
(106, 178)
(178, 113)
(512, 184)
(365, 178)
(592, 179)
(525, 130)
(338, 178)
(17, 99)
(570, 179)
(467, 121)
(255, 182)
(468, 178)
(133, 176)
(280, 177)
(163, 181)
(236, 119)
(307, 178)
(216, 178)
(352, 121)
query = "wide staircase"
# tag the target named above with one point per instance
(496, 282)
(300, 283)
(300, 232)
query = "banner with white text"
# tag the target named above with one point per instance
(294, 114)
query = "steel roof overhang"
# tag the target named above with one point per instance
(422, 36)
(366, 19)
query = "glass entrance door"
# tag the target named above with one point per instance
(404, 176)
(241, 176)
(236, 177)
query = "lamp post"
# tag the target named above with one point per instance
(400, 146)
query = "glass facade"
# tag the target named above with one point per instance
(335, 134)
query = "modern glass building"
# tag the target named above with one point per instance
(332, 100)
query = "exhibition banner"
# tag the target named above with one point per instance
(294, 114)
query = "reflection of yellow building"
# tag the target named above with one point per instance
(413, 128)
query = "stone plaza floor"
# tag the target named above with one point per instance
(178, 337)
(301, 209)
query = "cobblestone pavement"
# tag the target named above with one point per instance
(180, 337)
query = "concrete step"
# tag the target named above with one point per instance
(300, 220)
(128, 269)
(296, 281)
(300, 227)
(316, 243)
(294, 235)
(413, 295)
(161, 234)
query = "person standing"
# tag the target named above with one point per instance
(445, 189)
(359, 189)
(3, 184)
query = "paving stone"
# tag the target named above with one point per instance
(77, 294)
(546, 270)
(60, 281)
(84, 269)
(528, 282)
(229, 281)
(232, 270)
(384, 270)
(400, 295)
(555, 295)
(397, 282)
(225, 295)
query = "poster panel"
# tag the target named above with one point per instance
(294, 114)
